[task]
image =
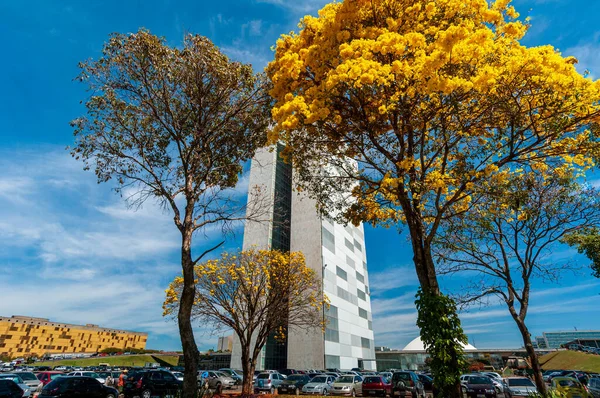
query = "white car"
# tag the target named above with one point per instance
(14, 377)
(87, 374)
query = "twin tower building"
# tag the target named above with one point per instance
(333, 251)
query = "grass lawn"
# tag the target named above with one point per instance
(571, 360)
(121, 360)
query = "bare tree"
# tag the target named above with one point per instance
(174, 124)
(255, 293)
(508, 240)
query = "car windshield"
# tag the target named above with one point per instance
(479, 380)
(568, 383)
(55, 376)
(221, 374)
(91, 374)
(295, 377)
(372, 380)
(27, 376)
(345, 379)
(520, 383)
(401, 376)
(319, 379)
(263, 376)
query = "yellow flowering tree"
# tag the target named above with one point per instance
(508, 238)
(255, 293)
(429, 99)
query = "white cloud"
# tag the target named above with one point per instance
(588, 55)
(298, 7)
(392, 278)
(74, 249)
(404, 302)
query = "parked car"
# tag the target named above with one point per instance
(476, 386)
(387, 375)
(268, 382)
(376, 385)
(235, 374)
(10, 389)
(18, 381)
(216, 379)
(519, 387)
(287, 372)
(428, 383)
(149, 383)
(350, 385)
(87, 373)
(30, 379)
(320, 385)
(407, 383)
(594, 387)
(569, 386)
(293, 384)
(77, 386)
(48, 376)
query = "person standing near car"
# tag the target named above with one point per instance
(121, 382)
(109, 381)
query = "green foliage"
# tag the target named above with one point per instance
(442, 334)
(587, 242)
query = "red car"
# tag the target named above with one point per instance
(47, 377)
(376, 385)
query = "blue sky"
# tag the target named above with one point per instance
(71, 251)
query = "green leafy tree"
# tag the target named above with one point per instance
(175, 125)
(587, 241)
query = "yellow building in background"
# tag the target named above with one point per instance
(22, 336)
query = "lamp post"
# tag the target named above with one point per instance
(324, 324)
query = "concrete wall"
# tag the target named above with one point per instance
(306, 347)
(258, 235)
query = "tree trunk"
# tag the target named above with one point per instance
(533, 359)
(186, 333)
(248, 367)
(425, 269)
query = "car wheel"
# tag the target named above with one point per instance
(353, 393)
(272, 391)
(297, 391)
(325, 392)
(146, 394)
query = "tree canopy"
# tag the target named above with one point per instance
(255, 293)
(174, 125)
(432, 100)
(509, 239)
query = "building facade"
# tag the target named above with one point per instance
(225, 343)
(554, 340)
(22, 336)
(332, 250)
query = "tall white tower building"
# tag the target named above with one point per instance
(333, 251)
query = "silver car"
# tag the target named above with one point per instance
(268, 382)
(320, 385)
(519, 387)
(14, 377)
(30, 379)
(216, 379)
